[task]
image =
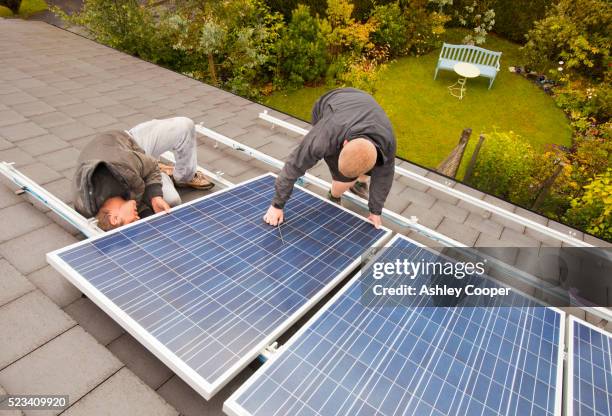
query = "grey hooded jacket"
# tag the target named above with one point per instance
(137, 174)
(343, 114)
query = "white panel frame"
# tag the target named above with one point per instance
(232, 408)
(205, 388)
(569, 362)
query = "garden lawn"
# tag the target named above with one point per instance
(27, 8)
(428, 121)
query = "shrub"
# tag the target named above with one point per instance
(13, 5)
(126, 25)
(424, 27)
(505, 165)
(231, 44)
(391, 28)
(514, 18)
(593, 210)
(343, 33)
(576, 32)
(302, 51)
(364, 72)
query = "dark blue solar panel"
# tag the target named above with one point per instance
(591, 357)
(210, 280)
(366, 359)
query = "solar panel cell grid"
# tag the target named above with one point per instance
(211, 281)
(355, 359)
(591, 371)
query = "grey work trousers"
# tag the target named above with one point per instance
(176, 135)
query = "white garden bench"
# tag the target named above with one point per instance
(485, 60)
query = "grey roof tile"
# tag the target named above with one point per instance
(514, 239)
(77, 110)
(53, 119)
(8, 196)
(61, 159)
(483, 224)
(97, 120)
(189, 403)
(27, 252)
(12, 283)
(71, 131)
(20, 219)
(458, 231)
(21, 131)
(20, 97)
(33, 108)
(45, 369)
(454, 212)
(8, 117)
(16, 156)
(55, 286)
(61, 188)
(5, 144)
(27, 323)
(57, 100)
(94, 320)
(122, 394)
(40, 173)
(140, 360)
(425, 217)
(42, 144)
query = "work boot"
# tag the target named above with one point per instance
(333, 198)
(167, 169)
(199, 181)
(361, 189)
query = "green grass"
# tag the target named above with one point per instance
(428, 120)
(27, 8)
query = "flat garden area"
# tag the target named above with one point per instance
(428, 120)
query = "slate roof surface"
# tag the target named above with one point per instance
(57, 90)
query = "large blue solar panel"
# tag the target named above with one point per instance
(356, 358)
(209, 285)
(590, 370)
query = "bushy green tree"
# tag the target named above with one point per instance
(301, 49)
(391, 28)
(575, 33)
(127, 25)
(344, 34)
(232, 44)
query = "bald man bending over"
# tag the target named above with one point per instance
(352, 133)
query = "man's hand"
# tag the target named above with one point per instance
(274, 216)
(158, 204)
(376, 220)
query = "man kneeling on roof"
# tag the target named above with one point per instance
(354, 136)
(119, 178)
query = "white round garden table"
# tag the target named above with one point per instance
(464, 70)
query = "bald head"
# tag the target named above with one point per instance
(357, 157)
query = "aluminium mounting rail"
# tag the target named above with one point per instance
(86, 226)
(568, 238)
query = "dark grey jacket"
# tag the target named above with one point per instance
(343, 114)
(137, 174)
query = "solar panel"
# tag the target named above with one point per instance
(589, 385)
(354, 358)
(209, 285)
